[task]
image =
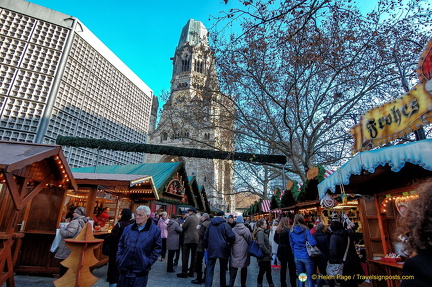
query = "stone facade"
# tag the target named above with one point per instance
(192, 117)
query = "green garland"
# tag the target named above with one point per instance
(255, 208)
(276, 200)
(168, 150)
(295, 190)
(321, 171)
(287, 199)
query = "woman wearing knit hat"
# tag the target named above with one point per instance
(71, 231)
(240, 258)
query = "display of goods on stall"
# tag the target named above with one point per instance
(328, 201)
(391, 257)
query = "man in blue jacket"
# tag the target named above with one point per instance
(218, 247)
(139, 247)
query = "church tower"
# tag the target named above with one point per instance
(192, 116)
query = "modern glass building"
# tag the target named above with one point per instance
(58, 78)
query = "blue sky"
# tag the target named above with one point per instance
(142, 33)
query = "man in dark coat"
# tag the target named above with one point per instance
(204, 223)
(218, 247)
(139, 247)
(181, 219)
(190, 244)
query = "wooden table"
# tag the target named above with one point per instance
(391, 268)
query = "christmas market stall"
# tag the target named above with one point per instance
(172, 188)
(33, 183)
(111, 192)
(197, 194)
(204, 198)
(389, 175)
(387, 179)
(97, 191)
(302, 198)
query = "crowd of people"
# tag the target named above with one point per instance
(203, 240)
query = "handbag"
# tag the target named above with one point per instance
(312, 251)
(106, 247)
(255, 250)
(336, 269)
(107, 244)
(56, 242)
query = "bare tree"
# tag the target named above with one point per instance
(300, 73)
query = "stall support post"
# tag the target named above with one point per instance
(91, 202)
(382, 223)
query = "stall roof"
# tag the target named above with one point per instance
(196, 192)
(118, 183)
(396, 157)
(17, 155)
(160, 172)
(81, 176)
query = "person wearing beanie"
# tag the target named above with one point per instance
(217, 240)
(240, 258)
(71, 231)
(239, 219)
(231, 221)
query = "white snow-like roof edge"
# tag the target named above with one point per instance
(419, 152)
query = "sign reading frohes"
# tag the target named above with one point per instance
(400, 117)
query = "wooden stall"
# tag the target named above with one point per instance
(204, 199)
(386, 178)
(171, 185)
(33, 182)
(115, 191)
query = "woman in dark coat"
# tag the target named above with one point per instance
(323, 243)
(416, 229)
(264, 243)
(284, 252)
(113, 273)
(338, 244)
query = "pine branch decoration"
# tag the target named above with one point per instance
(168, 150)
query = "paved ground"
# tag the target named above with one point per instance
(157, 277)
